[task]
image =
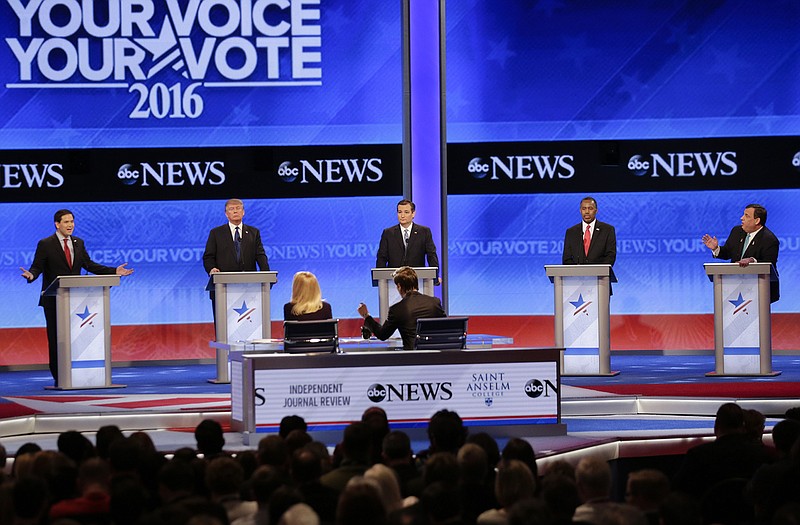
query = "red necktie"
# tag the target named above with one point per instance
(67, 253)
(587, 239)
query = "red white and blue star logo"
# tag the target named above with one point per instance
(244, 312)
(740, 304)
(580, 305)
(87, 317)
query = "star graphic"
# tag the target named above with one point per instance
(737, 302)
(242, 310)
(85, 314)
(500, 52)
(579, 302)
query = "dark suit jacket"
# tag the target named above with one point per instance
(393, 254)
(763, 247)
(50, 260)
(729, 456)
(602, 250)
(403, 316)
(220, 253)
(323, 313)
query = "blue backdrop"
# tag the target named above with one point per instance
(531, 71)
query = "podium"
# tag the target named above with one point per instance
(83, 330)
(582, 317)
(742, 321)
(384, 277)
(241, 311)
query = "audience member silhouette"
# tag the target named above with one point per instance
(397, 455)
(446, 433)
(306, 470)
(646, 490)
(593, 480)
(289, 423)
(356, 453)
(360, 503)
(514, 482)
(730, 455)
(210, 439)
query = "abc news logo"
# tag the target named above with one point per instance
(536, 388)
(332, 171)
(196, 173)
(697, 164)
(523, 167)
(410, 392)
(34, 176)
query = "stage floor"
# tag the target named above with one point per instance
(652, 407)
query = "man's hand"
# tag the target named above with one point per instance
(213, 270)
(362, 310)
(26, 274)
(747, 260)
(710, 242)
(121, 270)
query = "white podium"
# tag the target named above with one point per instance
(242, 311)
(83, 330)
(384, 278)
(742, 319)
(582, 317)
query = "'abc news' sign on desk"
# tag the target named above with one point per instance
(498, 388)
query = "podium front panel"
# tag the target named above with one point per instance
(581, 325)
(740, 319)
(244, 311)
(88, 329)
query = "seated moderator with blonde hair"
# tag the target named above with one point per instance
(306, 303)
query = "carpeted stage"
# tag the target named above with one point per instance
(657, 405)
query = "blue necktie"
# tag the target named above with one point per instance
(744, 247)
(405, 238)
(237, 245)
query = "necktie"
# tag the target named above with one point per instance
(237, 245)
(67, 253)
(405, 238)
(744, 246)
(587, 239)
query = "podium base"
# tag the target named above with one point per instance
(769, 374)
(216, 381)
(598, 374)
(83, 387)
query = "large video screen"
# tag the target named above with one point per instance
(577, 69)
(592, 76)
(171, 73)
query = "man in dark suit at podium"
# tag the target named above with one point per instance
(56, 255)
(235, 246)
(406, 243)
(752, 242)
(403, 315)
(591, 241)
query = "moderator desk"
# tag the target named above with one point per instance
(508, 392)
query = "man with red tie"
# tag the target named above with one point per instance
(62, 254)
(591, 241)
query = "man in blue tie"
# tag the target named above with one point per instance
(751, 242)
(235, 246)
